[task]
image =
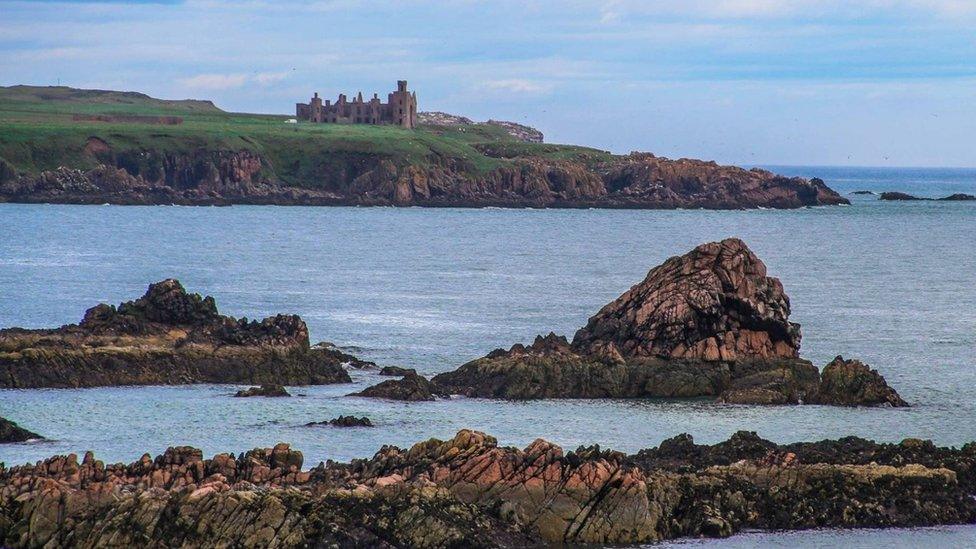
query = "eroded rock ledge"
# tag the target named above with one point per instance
(710, 323)
(167, 336)
(469, 492)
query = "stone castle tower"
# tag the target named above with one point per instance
(399, 110)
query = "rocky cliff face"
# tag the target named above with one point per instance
(167, 336)
(708, 323)
(245, 177)
(470, 492)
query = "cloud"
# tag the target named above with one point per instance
(519, 85)
(214, 81)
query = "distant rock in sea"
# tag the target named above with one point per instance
(412, 387)
(11, 432)
(270, 390)
(344, 421)
(708, 323)
(894, 195)
(864, 192)
(167, 336)
(396, 371)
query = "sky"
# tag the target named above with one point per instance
(773, 82)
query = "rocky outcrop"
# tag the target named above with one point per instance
(168, 336)
(713, 303)
(470, 492)
(344, 421)
(521, 132)
(11, 432)
(853, 383)
(959, 197)
(710, 323)
(270, 390)
(412, 387)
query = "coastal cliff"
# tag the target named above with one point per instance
(213, 157)
(168, 336)
(709, 323)
(470, 492)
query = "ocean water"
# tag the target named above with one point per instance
(890, 283)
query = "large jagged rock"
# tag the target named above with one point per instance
(708, 323)
(853, 383)
(11, 432)
(470, 492)
(167, 336)
(713, 303)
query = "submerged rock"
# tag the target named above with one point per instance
(263, 391)
(709, 323)
(168, 336)
(11, 432)
(344, 421)
(470, 492)
(412, 387)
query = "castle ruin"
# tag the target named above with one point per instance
(399, 110)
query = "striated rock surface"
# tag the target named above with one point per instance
(412, 387)
(853, 383)
(168, 336)
(710, 323)
(11, 432)
(713, 303)
(263, 391)
(470, 492)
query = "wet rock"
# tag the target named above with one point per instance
(263, 391)
(412, 387)
(11, 432)
(168, 336)
(864, 192)
(396, 371)
(853, 383)
(959, 197)
(344, 421)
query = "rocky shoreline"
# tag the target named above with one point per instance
(709, 323)
(635, 181)
(168, 336)
(470, 492)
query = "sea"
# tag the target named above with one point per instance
(890, 283)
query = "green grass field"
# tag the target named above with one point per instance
(37, 133)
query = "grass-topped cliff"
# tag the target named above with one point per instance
(60, 144)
